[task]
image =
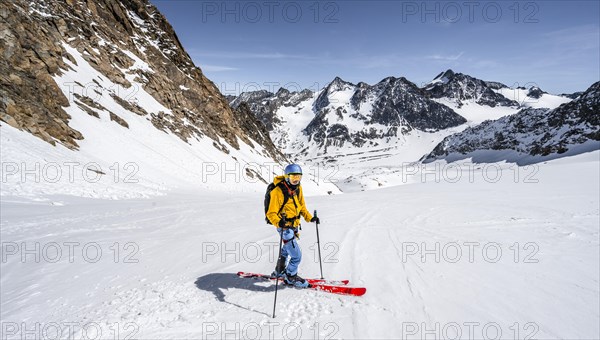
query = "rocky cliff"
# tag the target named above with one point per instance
(460, 88)
(138, 65)
(573, 126)
(346, 115)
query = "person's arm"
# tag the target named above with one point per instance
(274, 206)
(303, 211)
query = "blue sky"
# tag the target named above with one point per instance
(251, 45)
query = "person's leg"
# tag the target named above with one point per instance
(280, 266)
(293, 250)
(291, 272)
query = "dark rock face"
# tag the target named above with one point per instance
(535, 92)
(463, 88)
(573, 95)
(401, 101)
(494, 85)
(361, 114)
(102, 31)
(118, 120)
(265, 104)
(336, 85)
(31, 100)
(258, 102)
(392, 107)
(257, 130)
(536, 132)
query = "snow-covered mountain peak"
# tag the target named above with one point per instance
(332, 93)
(531, 135)
(344, 117)
(535, 92)
(443, 77)
(361, 124)
(108, 82)
(250, 97)
(282, 92)
(338, 84)
(463, 89)
(533, 96)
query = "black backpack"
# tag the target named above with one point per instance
(286, 197)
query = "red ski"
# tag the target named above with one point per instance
(335, 287)
(310, 281)
(344, 290)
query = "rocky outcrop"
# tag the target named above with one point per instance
(257, 130)
(388, 109)
(118, 120)
(347, 114)
(573, 95)
(531, 131)
(535, 92)
(462, 88)
(31, 54)
(399, 99)
(336, 85)
(127, 41)
(265, 104)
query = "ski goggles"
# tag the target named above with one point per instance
(295, 177)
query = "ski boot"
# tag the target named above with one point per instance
(295, 280)
(279, 268)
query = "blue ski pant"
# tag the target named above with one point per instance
(290, 249)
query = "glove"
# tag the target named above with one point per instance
(315, 219)
(282, 223)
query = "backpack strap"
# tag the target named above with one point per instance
(287, 193)
(286, 197)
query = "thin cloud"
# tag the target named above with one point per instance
(571, 47)
(445, 58)
(246, 55)
(582, 37)
(217, 68)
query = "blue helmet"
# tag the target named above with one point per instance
(293, 169)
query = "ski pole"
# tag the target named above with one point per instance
(319, 245)
(276, 273)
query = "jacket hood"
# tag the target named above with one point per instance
(278, 179)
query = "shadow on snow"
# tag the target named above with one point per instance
(217, 283)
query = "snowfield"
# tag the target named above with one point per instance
(140, 231)
(501, 252)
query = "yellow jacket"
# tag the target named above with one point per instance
(290, 209)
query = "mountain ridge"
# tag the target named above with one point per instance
(130, 43)
(532, 133)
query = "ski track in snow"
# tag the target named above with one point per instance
(179, 289)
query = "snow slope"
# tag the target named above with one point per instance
(164, 267)
(356, 170)
(476, 113)
(521, 95)
(138, 161)
(382, 167)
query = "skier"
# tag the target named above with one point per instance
(287, 228)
